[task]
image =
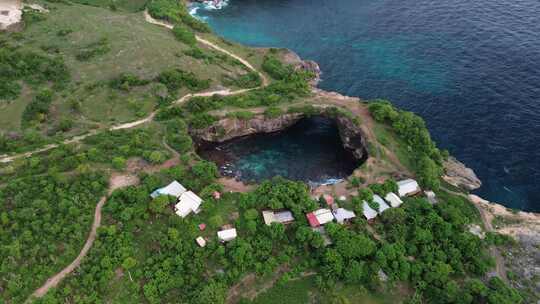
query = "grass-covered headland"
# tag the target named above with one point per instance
(87, 65)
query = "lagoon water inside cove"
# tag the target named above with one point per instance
(310, 151)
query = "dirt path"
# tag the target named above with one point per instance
(486, 218)
(116, 181)
(149, 118)
(150, 19)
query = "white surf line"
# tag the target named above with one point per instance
(129, 125)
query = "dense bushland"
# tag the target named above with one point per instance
(33, 68)
(412, 129)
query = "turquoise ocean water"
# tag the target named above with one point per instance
(471, 69)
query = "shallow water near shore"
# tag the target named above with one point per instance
(471, 69)
(310, 151)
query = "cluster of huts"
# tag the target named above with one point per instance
(189, 202)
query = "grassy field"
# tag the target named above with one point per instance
(129, 45)
(390, 140)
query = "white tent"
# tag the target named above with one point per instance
(227, 235)
(369, 213)
(342, 215)
(201, 241)
(189, 202)
(393, 199)
(382, 204)
(408, 187)
(174, 189)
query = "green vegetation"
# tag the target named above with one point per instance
(44, 221)
(38, 108)
(102, 66)
(184, 35)
(33, 68)
(176, 79)
(175, 12)
(412, 129)
(249, 80)
(93, 50)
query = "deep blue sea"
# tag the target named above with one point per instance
(471, 69)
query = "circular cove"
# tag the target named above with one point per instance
(310, 150)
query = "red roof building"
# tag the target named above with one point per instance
(312, 219)
(202, 226)
(216, 195)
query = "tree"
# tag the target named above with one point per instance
(429, 173)
(212, 293)
(119, 163)
(184, 35)
(159, 204)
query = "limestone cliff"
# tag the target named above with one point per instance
(457, 174)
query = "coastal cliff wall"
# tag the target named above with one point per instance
(228, 128)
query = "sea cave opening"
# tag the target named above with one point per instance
(311, 150)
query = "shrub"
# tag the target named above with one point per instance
(203, 120)
(242, 115)
(126, 81)
(38, 108)
(93, 49)
(275, 68)
(249, 80)
(119, 163)
(273, 112)
(184, 35)
(175, 79)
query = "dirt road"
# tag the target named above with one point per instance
(129, 125)
(486, 218)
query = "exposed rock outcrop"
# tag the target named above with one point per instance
(10, 14)
(311, 66)
(228, 127)
(457, 174)
(352, 137)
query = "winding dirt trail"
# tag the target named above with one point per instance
(500, 268)
(116, 181)
(119, 181)
(149, 118)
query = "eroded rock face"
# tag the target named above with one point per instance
(311, 66)
(457, 174)
(228, 128)
(352, 137)
(10, 14)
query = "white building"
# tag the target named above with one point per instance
(408, 187)
(283, 217)
(227, 235)
(393, 199)
(319, 217)
(189, 202)
(432, 198)
(369, 213)
(201, 241)
(342, 215)
(173, 189)
(382, 204)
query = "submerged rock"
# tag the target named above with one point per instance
(457, 174)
